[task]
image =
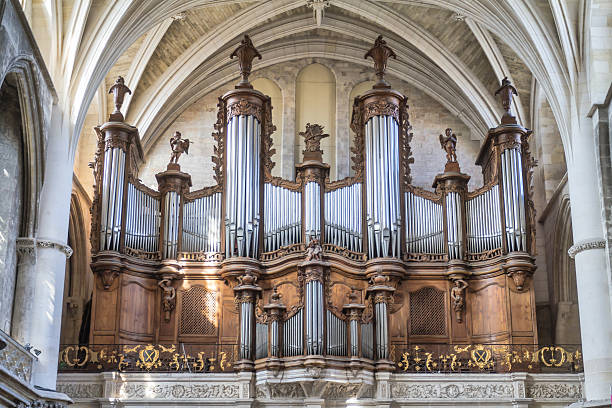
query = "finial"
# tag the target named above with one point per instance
(245, 52)
(507, 90)
(380, 53)
(119, 89)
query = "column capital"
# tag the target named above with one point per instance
(586, 245)
(27, 247)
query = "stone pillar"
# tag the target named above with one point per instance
(592, 270)
(246, 294)
(381, 294)
(40, 283)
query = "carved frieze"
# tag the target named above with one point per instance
(543, 391)
(452, 391)
(381, 107)
(81, 390)
(585, 246)
(203, 390)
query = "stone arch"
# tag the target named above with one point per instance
(78, 281)
(565, 297)
(315, 102)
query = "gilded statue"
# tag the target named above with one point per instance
(312, 137)
(448, 142)
(119, 89)
(314, 251)
(178, 146)
(458, 296)
(168, 297)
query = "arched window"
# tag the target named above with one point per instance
(315, 102)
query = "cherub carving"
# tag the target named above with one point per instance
(168, 297)
(314, 251)
(458, 297)
(178, 146)
(119, 89)
(312, 137)
(448, 142)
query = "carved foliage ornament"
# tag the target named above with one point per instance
(266, 140)
(97, 166)
(406, 158)
(219, 148)
(381, 107)
(358, 150)
(244, 107)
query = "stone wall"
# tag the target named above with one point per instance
(427, 117)
(11, 178)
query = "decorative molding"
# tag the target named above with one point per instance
(244, 107)
(586, 245)
(15, 359)
(554, 391)
(452, 391)
(153, 390)
(27, 247)
(77, 390)
(41, 404)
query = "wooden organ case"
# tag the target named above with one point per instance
(313, 271)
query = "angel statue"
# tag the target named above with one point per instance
(449, 145)
(178, 146)
(314, 250)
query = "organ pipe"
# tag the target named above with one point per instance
(343, 219)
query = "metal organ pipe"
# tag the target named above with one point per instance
(282, 217)
(292, 335)
(382, 181)
(454, 224)
(201, 223)
(514, 199)
(343, 217)
(112, 198)
(242, 198)
(424, 225)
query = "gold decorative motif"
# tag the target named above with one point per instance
(490, 358)
(147, 358)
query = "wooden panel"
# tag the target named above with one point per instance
(399, 315)
(138, 307)
(103, 315)
(488, 308)
(199, 310)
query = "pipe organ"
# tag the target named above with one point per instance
(314, 271)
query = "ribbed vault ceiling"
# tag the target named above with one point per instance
(184, 57)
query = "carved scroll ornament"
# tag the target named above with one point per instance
(358, 150)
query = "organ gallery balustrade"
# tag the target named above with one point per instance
(313, 272)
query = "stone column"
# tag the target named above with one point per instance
(40, 283)
(592, 270)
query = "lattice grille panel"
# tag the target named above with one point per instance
(199, 312)
(427, 314)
